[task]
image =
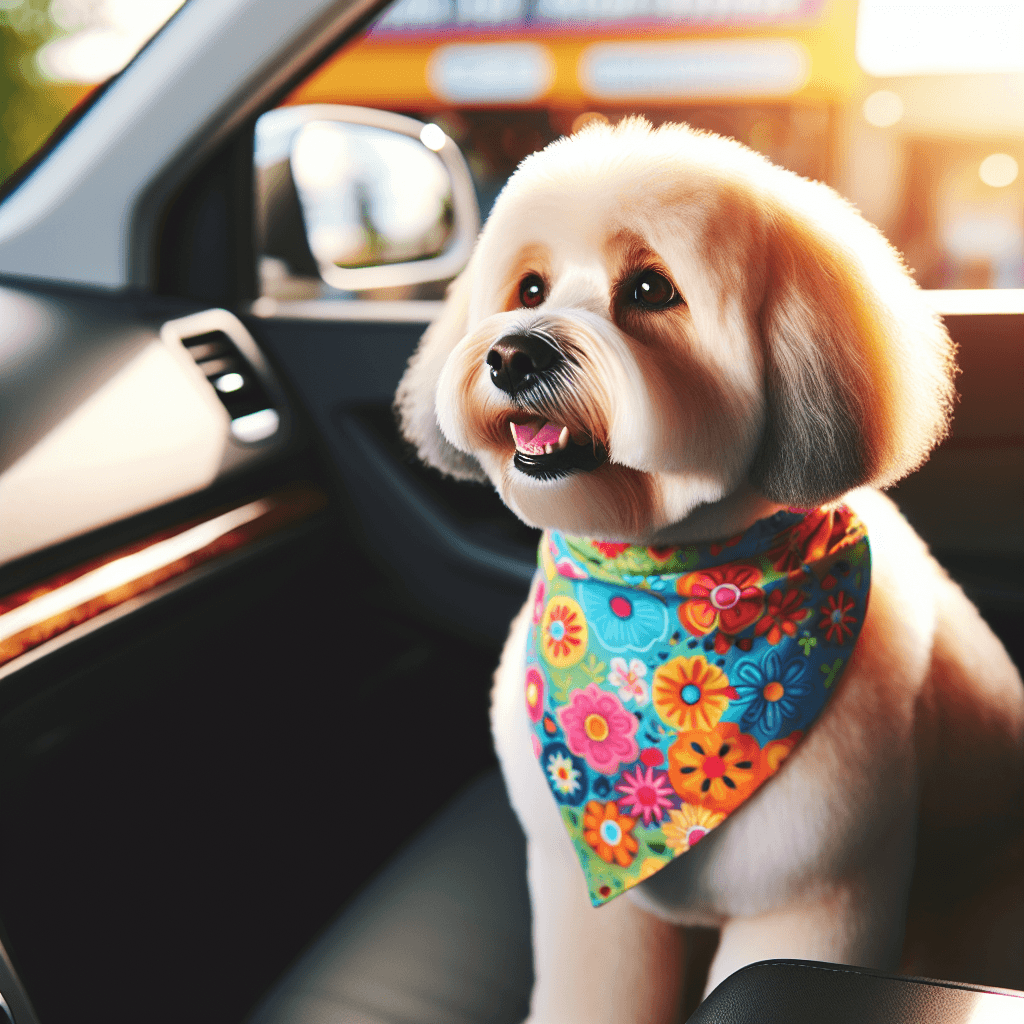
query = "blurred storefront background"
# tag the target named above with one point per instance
(914, 111)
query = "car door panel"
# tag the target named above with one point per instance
(469, 553)
(461, 556)
(967, 500)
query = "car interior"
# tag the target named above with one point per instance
(237, 615)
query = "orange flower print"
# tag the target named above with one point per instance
(724, 598)
(688, 826)
(717, 768)
(563, 631)
(820, 533)
(688, 693)
(837, 618)
(609, 549)
(784, 612)
(777, 751)
(609, 832)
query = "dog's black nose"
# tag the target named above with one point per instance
(517, 359)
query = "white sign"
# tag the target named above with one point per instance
(490, 72)
(705, 11)
(627, 71)
(418, 15)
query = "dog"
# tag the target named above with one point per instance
(662, 340)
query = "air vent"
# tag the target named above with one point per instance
(253, 417)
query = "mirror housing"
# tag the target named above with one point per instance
(362, 198)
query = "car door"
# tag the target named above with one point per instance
(204, 757)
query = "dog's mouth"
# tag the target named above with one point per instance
(547, 450)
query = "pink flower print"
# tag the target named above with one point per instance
(534, 693)
(568, 568)
(599, 729)
(538, 602)
(629, 678)
(647, 794)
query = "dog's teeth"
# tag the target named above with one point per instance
(547, 449)
(563, 438)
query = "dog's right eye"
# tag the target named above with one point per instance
(652, 290)
(531, 291)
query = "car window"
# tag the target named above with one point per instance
(913, 111)
(55, 53)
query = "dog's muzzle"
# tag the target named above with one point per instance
(519, 360)
(526, 365)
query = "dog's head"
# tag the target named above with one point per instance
(659, 327)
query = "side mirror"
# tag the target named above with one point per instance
(362, 198)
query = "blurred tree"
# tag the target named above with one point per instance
(30, 106)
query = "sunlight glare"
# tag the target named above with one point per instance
(904, 37)
(883, 109)
(998, 170)
(106, 35)
(432, 136)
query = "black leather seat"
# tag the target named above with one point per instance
(442, 936)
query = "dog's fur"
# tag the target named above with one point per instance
(802, 368)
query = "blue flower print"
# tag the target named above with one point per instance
(565, 774)
(624, 620)
(770, 693)
(653, 582)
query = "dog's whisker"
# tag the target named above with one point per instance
(548, 337)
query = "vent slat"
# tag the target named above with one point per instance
(242, 393)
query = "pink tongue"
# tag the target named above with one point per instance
(531, 440)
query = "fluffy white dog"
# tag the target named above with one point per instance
(662, 339)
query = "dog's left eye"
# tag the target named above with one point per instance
(652, 290)
(531, 291)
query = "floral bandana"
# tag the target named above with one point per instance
(665, 685)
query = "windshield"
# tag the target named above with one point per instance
(54, 53)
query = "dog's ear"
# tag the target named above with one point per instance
(417, 391)
(858, 370)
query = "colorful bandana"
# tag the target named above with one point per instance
(664, 685)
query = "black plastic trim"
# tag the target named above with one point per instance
(807, 992)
